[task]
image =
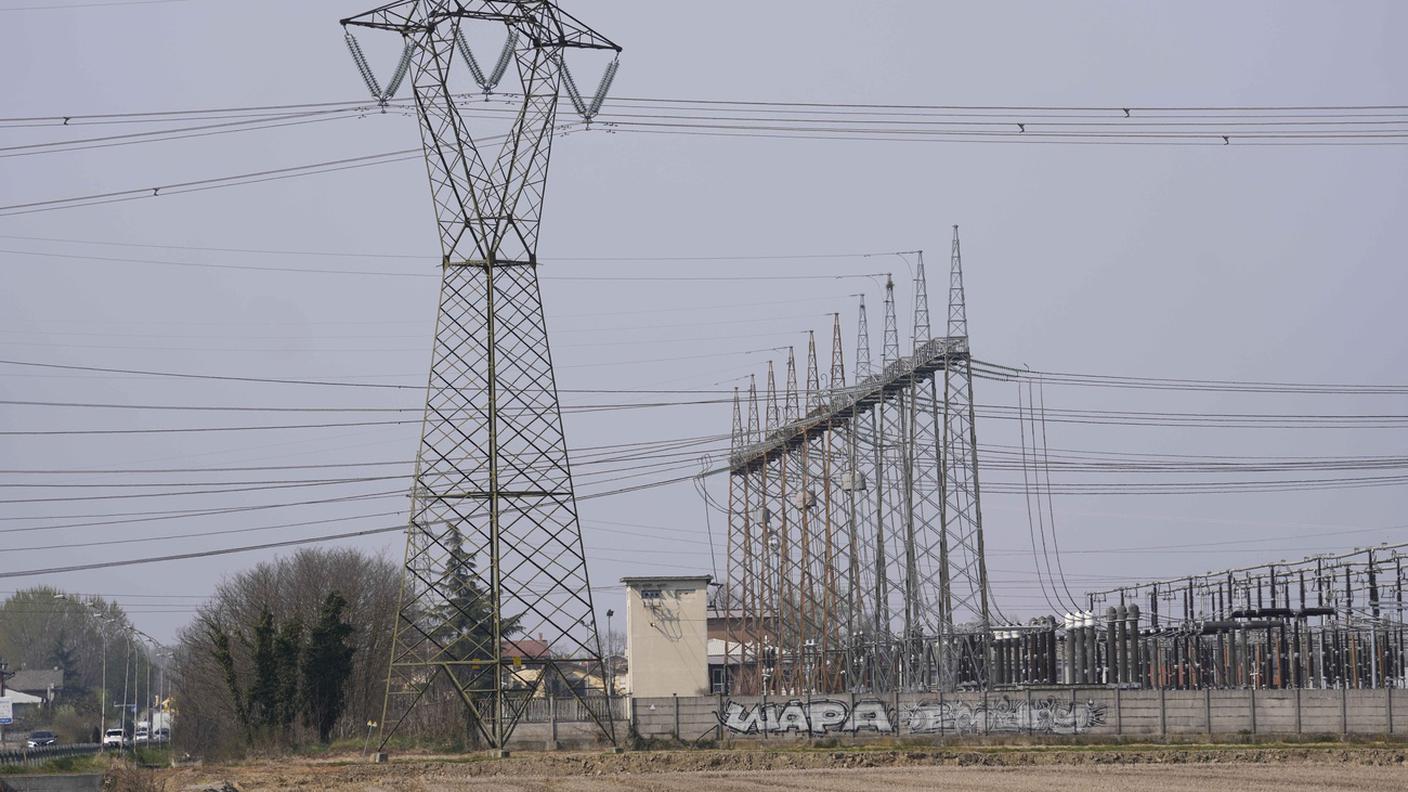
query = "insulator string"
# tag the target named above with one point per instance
(363, 67)
(490, 81)
(588, 109)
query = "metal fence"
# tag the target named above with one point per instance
(30, 757)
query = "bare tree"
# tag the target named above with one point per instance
(290, 588)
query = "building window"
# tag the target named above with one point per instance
(719, 679)
(650, 593)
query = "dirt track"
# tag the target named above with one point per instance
(1124, 770)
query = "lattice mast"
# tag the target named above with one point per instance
(843, 482)
(773, 486)
(817, 545)
(967, 586)
(740, 612)
(758, 629)
(892, 492)
(929, 560)
(870, 638)
(495, 602)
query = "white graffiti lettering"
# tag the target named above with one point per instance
(1004, 715)
(743, 720)
(869, 715)
(819, 716)
(827, 715)
(996, 716)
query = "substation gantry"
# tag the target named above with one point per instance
(855, 544)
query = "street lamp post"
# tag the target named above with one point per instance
(610, 656)
(103, 696)
(4, 674)
(126, 667)
(148, 703)
(163, 697)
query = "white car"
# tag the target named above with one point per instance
(114, 738)
(141, 737)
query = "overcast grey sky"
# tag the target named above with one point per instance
(1278, 264)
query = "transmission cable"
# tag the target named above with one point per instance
(1046, 468)
(200, 554)
(1027, 499)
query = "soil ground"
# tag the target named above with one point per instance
(1326, 768)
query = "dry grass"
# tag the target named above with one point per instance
(126, 778)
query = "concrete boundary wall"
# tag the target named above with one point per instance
(1063, 711)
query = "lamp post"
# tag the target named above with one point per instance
(164, 697)
(151, 723)
(610, 656)
(103, 697)
(126, 667)
(4, 675)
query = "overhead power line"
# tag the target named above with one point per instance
(1110, 110)
(998, 371)
(1113, 125)
(200, 554)
(428, 274)
(198, 185)
(1181, 384)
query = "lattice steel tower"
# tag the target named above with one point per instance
(966, 585)
(495, 602)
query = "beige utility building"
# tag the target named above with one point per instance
(667, 635)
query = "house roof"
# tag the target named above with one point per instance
(36, 680)
(19, 697)
(527, 648)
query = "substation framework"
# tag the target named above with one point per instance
(495, 606)
(855, 540)
(855, 555)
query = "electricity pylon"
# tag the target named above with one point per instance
(495, 604)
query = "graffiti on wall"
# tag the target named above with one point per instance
(818, 716)
(1004, 715)
(823, 716)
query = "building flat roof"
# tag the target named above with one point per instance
(629, 581)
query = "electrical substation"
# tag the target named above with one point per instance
(856, 554)
(855, 560)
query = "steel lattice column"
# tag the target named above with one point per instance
(495, 600)
(962, 519)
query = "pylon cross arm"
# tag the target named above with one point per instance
(543, 24)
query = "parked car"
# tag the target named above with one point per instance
(39, 739)
(114, 738)
(141, 737)
(163, 735)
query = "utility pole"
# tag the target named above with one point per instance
(5, 674)
(493, 509)
(610, 659)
